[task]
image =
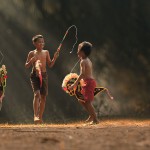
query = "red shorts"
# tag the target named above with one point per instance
(88, 89)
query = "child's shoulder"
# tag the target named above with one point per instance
(44, 51)
(31, 52)
(85, 60)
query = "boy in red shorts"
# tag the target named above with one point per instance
(84, 50)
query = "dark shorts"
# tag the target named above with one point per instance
(35, 83)
(88, 89)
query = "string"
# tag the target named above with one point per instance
(60, 45)
(74, 66)
(76, 36)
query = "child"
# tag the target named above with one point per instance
(3, 77)
(84, 50)
(38, 58)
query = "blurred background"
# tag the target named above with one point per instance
(119, 31)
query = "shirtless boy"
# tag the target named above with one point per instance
(84, 50)
(38, 58)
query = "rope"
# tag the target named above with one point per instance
(60, 45)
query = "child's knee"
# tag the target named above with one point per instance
(37, 94)
(43, 98)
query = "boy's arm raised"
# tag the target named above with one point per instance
(49, 61)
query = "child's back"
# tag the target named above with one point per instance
(88, 71)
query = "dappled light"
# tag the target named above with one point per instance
(119, 32)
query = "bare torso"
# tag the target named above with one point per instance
(86, 66)
(42, 56)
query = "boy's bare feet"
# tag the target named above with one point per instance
(36, 120)
(91, 123)
(89, 119)
(94, 122)
(40, 121)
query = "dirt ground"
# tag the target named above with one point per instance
(107, 135)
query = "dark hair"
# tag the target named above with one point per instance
(86, 47)
(36, 37)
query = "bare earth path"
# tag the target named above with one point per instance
(107, 135)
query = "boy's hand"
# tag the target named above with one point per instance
(72, 87)
(33, 59)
